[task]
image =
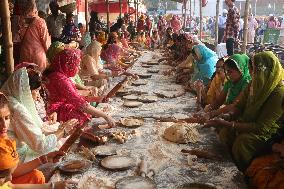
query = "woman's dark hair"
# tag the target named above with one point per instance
(68, 16)
(34, 79)
(94, 16)
(193, 52)
(3, 100)
(175, 37)
(231, 64)
(250, 64)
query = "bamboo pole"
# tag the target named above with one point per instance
(200, 24)
(245, 36)
(194, 7)
(108, 23)
(135, 2)
(190, 7)
(137, 9)
(120, 8)
(87, 15)
(7, 35)
(184, 22)
(216, 23)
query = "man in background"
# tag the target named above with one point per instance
(232, 27)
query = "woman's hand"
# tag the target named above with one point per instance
(217, 123)
(54, 157)
(110, 121)
(52, 118)
(69, 125)
(202, 116)
(64, 184)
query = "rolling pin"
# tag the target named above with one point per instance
(73, 137)
(143, 167)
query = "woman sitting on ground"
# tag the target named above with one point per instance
(22, 175)
(217, 83)
(237, 73)
(27, 125)
(267, 170)
(204, 67)
(111, 53)
(92, 69)
(63, 95)
(253, 120)
(83, 90)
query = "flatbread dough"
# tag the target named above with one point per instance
(132, 104)
(182, 133)
(118, 162)
(131, 122)
(139, 82)
(144, 76)
(153, 71)
(146, 66)
(148, 98)
(130, 97)
(170, 94)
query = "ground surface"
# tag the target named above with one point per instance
(163, 156)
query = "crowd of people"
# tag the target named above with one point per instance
(63, 71)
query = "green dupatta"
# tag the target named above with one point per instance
(234, 89)
(267, 74)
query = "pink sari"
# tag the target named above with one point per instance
(62, 94)
(111, 53)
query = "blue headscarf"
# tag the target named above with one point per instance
(205, 67)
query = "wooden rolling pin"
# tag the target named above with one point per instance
(73, 137)
(143, 167)
(202, 154)
(187, 120)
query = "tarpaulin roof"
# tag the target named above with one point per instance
(100, 6)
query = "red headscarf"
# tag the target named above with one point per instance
(67, 62)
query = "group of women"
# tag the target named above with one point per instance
(34, 101)
(242, 98)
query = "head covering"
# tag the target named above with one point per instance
(95, 46)
(54, 49)
(234, 89)
(67, 62)
(267, 74)
(27, 65)
(94, 50)
(8, 155)
(225, 11)
(242, 62)
(206, 65)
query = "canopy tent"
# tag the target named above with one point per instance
(101, 7)
(204, 2)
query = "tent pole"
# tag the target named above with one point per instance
(108, 24)
(216, 23)
(184, 19)
(120, 8)
(245, 36)
(135, 2)
(86, 15)
(7, 34)
(190, 11)
(200, 22)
